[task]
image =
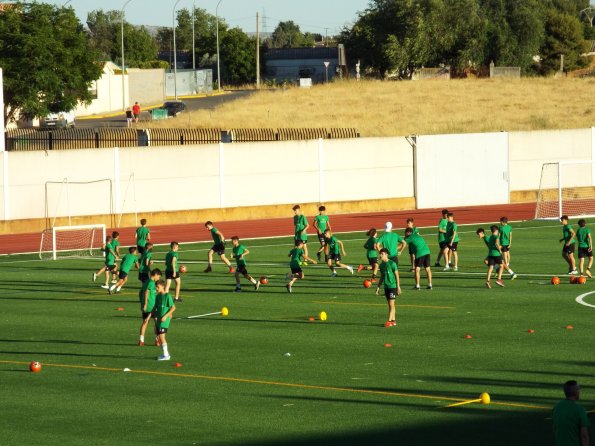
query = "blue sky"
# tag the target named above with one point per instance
(311, 15)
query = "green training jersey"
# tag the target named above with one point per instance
(110, 256)
(127, 262)
(217, 236)
(333, 245)
(237, 252)
(569, 417)
(321, 222)
(149, 286)
(491, 242)
(142, 234)
(371, 252)
(145, 262)
(163, 303)
(169, 262)
(418, 245)
(452, 228)
(390, 241)
(387, 272)
(300, 222)
(505, 231)
(296, 255)
(582, 235)
(442, 225)
(567, 234)
(115, 245)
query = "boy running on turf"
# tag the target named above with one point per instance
(218, 247)
(164, 309)
(321, 223)
(585, 246)
(410, 224)
(569, 239)
(334, 247)
(452, 241)
(494, 259)
(371, 254)
(128, 261)
(116, 248)
(297, 256)
(421, 255)
(442, 235)
(142, 236)
(239, 252)
(301, 227)
(505, 239)
(389, 277)
(109, 263)
(392, 242)
(172, 270)
(145, 263)
(147, 303)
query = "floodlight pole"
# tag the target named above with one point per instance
(175, 51)
(193, 38)
(217, 33)
(123, 65)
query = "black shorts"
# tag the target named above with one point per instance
(111, 267)
(219, 248)
(395, 259)
(334, 257)
(494, 260)
(423, 261)
(297, 239)
(505, 248)
(297, 270)
(584, 252)
(453, 246)
(171, 275)
(143, 277)
(390, 293)
(242, 270)
(568, 249)
(122, 275)
(321, 239)
(147, 315)
(443, 245)
(373, 261)
(141, 249)
(161, 330)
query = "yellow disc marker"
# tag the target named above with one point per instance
(322, 316)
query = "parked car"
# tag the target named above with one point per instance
(174, 107)
(57, 120)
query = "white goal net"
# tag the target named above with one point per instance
(72, 241)
(566, 188)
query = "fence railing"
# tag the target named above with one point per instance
(89, 138)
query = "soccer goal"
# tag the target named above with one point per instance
(72, 241)
(566, 188)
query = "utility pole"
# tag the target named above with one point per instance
(257, 54)
(325, 37)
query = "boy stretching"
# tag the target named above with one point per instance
(389, 277)
(239, 252)
(128, 261)
(585, 247)
(109, 265)
(334, 247)
(164, 308)
(147, 303)
(218, 247)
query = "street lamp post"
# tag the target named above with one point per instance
(175, 52)
(193, 38)
(218, 63)
(123, 65)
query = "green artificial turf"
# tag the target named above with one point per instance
(340, 384)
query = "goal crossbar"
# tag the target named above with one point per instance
(81, 240)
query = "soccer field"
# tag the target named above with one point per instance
(347, 380)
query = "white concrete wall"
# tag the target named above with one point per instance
(109, 96)
(146, 86)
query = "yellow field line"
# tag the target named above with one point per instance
(383, 305)
(278, 384)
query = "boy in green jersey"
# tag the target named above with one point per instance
(585, 247)
(128, 261)
(321, 224)
(142, 236)
(297, 256)
(333, 249)
(442, 236)
(389, 277)
(410, 224)
(300, 222)
(494, 259)
(569, 239)
(164, 309)
(147, 296)
(239, 252)
(371, 254)
(571, 421)
(145, 263)
(109, 265)
(218, 247)
(172, 270)
(452, 242)
(421, 255)
(505, 239)
(392, 242)
(116, 248)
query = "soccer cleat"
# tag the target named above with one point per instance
(164, 358)
(179, 299)
(573, 272)
(231, 270)
(429, 286)
(118, 289)
(388, 324)
(288, 276)
(94, 277)
(359, 268)
(374, 280)
(514, 276)
(588, 272)
(288, 287)
(318, 256)
(111, 289)
(114, 280)
(499, 283)
(334, 274)
(488, 284)
(208, 269)
(141, 343)
(456, 268)
(416, 287)
(237, 290)
(437, 264)
(446, 268)
(256, 285)
(350, 269)
(105, 287)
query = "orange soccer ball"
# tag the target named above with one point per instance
(555, 280)
(183, 268)
(582, 280)
(367, 283)
(264, 280)
(35, 367)
(573, 279)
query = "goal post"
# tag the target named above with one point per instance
(72, 241)
(566, 188)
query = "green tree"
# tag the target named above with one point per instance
(238, 57)
(288, 35)
(47, 59)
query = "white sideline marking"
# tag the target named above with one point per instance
(581, 299)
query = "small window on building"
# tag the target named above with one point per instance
(93, 90)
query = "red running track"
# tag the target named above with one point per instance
(21, 243)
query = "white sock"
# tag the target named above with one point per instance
(142, 338)
(165, 351)
(118, 289)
